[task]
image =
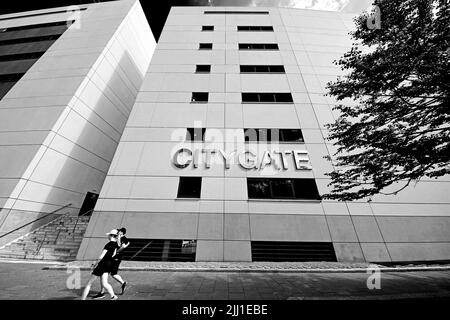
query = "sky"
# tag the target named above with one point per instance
(157, 10)
(350, 6)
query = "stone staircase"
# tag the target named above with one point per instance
(57, 241)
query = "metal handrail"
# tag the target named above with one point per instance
(139, 252)
(44, 239)
(74, 228)
(78, 220)
(30, 223)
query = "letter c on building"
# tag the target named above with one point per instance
(176, 158)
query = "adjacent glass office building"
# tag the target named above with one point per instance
(69, 78)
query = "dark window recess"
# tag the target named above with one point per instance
(89, 204)
(203, 68)
(38, 26)
(22, 56)
(254, 28)
(292, 189)
(7, 81)
(205, 46)
(236, 12)
(160, 250)
(262, 69)
(274, 251)
(257, 97)
(28, 40)
(258, 46)
(190, 188)
(195, 134)
(198, 97)
(207, 28)
(274, 135)
(11, 77)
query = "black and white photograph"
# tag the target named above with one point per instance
(223, 156)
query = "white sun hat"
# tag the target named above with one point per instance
(113, 233)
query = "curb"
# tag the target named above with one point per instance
(235, 270)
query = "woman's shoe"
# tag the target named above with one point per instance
(124, 285)
(99, 295)
(115, 298)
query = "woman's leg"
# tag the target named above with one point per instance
(118, 279)
(106, 285)
(88, 287)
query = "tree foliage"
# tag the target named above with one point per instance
(399, 130)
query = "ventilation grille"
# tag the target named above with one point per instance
(272, 251)
(160, 250)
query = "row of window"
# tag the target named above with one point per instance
(29, 40)
(244, 46)
(10, 77)
(259, 188)
(37, 26)
(21, 56)
(255, 135)
(243, 28)
(250, 97)
(206, 68)
(236, 12)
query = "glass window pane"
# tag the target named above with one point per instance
(282, 189)
(190, 187)
(202, 68)
(250, 97)
(283, 97)
(291, 135)
(258, 188)
(267, 97)
(200, 97)
(306, 189)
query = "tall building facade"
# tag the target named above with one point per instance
(223, 157)
(69, 78)
(215, 150)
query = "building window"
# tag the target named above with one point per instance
(22, 56)
(195, 134)
(262, 69)
(29, 40)
(207, 28)
(262, 97)
(7, 81)
(203, 68)
(200, 97)
(160, 250)
(258, 46)
(278, 251)
(274, 135)
(289, 189)
(254, 28)
(205, 46)
(190, 188)
(236, 12)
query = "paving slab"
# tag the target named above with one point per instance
(21, 281)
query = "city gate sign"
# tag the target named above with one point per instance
(185, 157)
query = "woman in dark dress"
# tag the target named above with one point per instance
(103, 267)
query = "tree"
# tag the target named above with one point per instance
(399, 132)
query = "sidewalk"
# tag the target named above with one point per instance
(24, 281)
(259, 267)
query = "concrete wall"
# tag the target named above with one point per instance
(141, 188)
(61, 123)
